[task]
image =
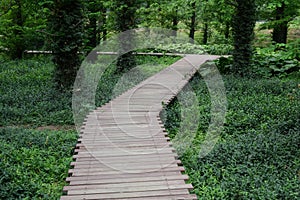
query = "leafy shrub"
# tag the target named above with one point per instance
(279, 59)
(276, 60)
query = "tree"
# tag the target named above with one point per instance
(278, 14)
(96, 28)
(243, 33)
(66, 28)
(125, 19)
(193, 21)
(20, 21)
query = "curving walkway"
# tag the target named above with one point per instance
(123, 151)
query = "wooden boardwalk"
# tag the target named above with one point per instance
(123, 151)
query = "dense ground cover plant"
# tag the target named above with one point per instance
(257, 156)
(28, 95)
(34, 164)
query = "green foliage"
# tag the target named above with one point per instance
(257, 156)
(277, 60)
(34, 164)
(20, 21)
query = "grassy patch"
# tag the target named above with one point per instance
(257, 156)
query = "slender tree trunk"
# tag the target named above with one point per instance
(227, 30)
(280, 30)
(175, 22)
(103, 24)
(193, 23)
(205, 33)
(18, 46)
(93, 34)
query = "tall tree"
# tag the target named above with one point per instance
(125, 19)
(19, 22)
(243, 33)
(96, 28)
(193, 20)
(66, 27)
(280, 29)
(278, 14)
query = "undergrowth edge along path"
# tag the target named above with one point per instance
(123, 151)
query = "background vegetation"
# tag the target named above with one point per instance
(258, 154)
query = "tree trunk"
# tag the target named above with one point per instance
(280, 29)
(227, 30)
(193, 23)
(125, 12)
(18, 46)
(205, 33)
(93, 33)
(103, 25)
(66, 27)
(243, 33)
(175, 22)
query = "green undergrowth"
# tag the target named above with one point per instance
(28, 95)
(34, 164)
(257, 155)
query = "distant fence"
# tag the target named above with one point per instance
(110, 53)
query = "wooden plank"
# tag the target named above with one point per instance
(160, 174)
(128, 179)
(115, 172)
(143, 194)
(73, 190)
